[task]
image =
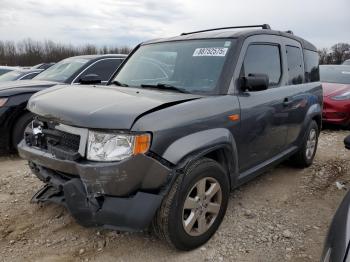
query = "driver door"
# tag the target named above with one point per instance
(263, 117)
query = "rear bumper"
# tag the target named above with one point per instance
(123, 195)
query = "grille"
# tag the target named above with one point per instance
(43, 135)
(62, 139)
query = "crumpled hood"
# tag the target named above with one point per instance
(106, 107)
(331, 89)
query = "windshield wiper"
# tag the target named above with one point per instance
(117, 83)
(166, 87)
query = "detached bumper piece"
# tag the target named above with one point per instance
(132, 213)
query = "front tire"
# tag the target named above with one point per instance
(305, 156)
(19, 128)
(195, 206)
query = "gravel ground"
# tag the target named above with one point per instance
(282, 215)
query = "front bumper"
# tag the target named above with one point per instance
(336, 112)
(131, 213)
(105, 178)
(123, 195)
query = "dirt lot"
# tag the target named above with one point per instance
(282, 215)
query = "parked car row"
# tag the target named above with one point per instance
(14, 116)
(12, 73)
(6, 69)
(20, 74)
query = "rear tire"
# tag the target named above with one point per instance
(305, 156)
(195, 206)
(19, 127)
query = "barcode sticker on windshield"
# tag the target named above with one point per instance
(210, 51)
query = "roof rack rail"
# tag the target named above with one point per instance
(263, 26)
(289, 32)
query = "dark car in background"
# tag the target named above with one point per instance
(184, 121)
(14, 95)
(337, 244)
(20, 74)
(336, 94)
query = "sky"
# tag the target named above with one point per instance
(128, 22)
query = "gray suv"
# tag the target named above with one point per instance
(183, 121)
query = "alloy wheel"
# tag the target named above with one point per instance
(311, 144)
(202, 206)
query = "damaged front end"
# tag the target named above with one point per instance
(120, 194)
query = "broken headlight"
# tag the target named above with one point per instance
(115, 146)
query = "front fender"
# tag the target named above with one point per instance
(198, 144)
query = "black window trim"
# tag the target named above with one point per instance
(307, 80)
(279, 46)
(303, 63)
(99, 60)
(28, 74)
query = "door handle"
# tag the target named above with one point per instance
(287, 101)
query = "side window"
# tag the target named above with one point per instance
(312, 71)
(103, 68)
(263, 59)
(29, 76)
(295, 65)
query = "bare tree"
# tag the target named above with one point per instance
(29, 52)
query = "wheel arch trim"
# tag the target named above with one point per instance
(196, 145)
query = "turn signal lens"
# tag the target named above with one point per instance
(234, 117)
(142, 144)
(3, 101)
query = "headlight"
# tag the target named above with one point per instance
(3, 101)
(115, 147)
(344, 96)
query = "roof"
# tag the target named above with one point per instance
(100, 56)
(336, 66)
(9, 67)
(233, 33)
(27, 70)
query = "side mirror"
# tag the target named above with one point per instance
(347, 142)
(90, 79)
(255, 82)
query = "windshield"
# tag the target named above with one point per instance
(4, 71)
(335, 74)
(193, 66)
(10, 76)
(63, 70)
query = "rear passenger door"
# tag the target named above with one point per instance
(104, 68)
(297, 99)
(263, 118)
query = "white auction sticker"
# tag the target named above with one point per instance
(210, 51)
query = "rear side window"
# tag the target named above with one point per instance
(295, 65)
(103, 68)
(263, 59)
(312, 71)
(29, 76)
